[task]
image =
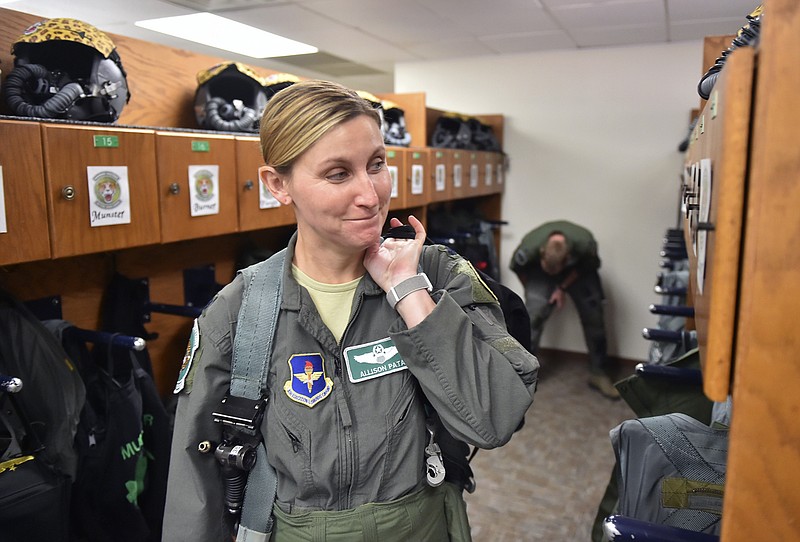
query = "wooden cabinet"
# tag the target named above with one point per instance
(257, 208)
(24, 235)
(196, 184)
(101, 188)
(746, 275)
(713, 194)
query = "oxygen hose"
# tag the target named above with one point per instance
(217, 107)
(18, 99)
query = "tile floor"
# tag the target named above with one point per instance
(547, 482)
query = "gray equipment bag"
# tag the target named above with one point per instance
(671, 471)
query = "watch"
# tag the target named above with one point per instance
(412, 284)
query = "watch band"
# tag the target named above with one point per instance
(412, 284)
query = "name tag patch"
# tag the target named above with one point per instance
(308, 385)
(373, 359)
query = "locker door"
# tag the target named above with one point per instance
(417, 180)
(441, 174)
(486, 164)
(395, 161)
(460, 177)
(499, 161)
(474, 174)
(196, 183)
(101, 188)
(257, 208)
(23, 209)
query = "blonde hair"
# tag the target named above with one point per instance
(554, 254)
(299, 115)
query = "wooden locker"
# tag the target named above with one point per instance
(69, 153)
(191, 166)
(396, 162)
(257, 208)
(25, 236)
(441, 174)
(417, 181)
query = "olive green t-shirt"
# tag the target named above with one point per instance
(333, 301)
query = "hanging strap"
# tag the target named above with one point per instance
(252, 349)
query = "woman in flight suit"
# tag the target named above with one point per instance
(369, 331)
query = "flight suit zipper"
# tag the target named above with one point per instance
(347, 458)
(346, 475)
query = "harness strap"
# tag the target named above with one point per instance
(252, 349)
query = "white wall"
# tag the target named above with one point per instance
(592, 136)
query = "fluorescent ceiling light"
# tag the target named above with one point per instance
(226, 34)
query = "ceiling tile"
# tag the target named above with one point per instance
(331, 36)
(606, 37)
(402, 24)
(692, 10)
(452, 49)
(482, 18)
(697, 30)
(533, 41)
(620, 13)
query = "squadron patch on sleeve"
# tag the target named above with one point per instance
(481, 292)
(308, 384)
(188, 358)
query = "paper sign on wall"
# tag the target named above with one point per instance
(204, 190)
(417, 178)
(109, 195)
(393, 175)
(265, 198)
(440, 178)
(458, 176)
(3, 225)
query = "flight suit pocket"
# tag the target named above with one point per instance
(405, 438)
(290, 452)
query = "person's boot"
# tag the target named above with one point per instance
(602, 383)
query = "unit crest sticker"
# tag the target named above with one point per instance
(109, 195)
(204, 193)
(308, 384)
(373, 359)
(265, 198)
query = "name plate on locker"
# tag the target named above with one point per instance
(201, 146)
(106, 141)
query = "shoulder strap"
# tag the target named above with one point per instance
(252, 349)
